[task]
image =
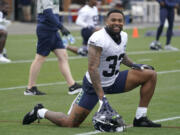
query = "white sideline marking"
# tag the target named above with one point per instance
(42, 84)
(149, 52)
(62, 83)
(80, 57)
(170, 71)
(48, 59)
(90, 133)
(144, 60)
(160, 120)
(167, 119)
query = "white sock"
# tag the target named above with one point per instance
(41, 112)
(141, 112)
(1, 54)
(4, 51)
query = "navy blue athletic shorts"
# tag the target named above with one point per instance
(87, 98)
(86, 33)
(48, 41)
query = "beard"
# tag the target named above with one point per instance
(114, 35)
(110, 30)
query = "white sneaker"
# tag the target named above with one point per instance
(4, 59)
(170, 48)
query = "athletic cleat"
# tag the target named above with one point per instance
(155, 45)
(32, 116)
(5, 55)
(33, 91)
(170, 48)
(4, 59)
(144, 122)
(74, 89)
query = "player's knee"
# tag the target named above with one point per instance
(39, 60)
(152, 74)
(63, 57)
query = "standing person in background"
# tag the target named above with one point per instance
(66, 5)
(68, 40)
(26, 9)
(88, 19)
(3, 31)
(166, 12)
(49, 40)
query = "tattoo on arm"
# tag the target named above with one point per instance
(126, 61)
(94, 54)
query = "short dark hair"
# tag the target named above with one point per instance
(114, 11)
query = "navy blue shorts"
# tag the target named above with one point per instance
(88, 98)
(48, 41)
(86, 33)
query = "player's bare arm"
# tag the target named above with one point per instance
(127, 61)
(94, 54)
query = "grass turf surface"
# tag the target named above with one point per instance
(164, 104)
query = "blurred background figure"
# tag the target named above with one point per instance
(49, 40)
(66, 4)
(117, 4)
(26, 9)
(166, 12)
(121, 4)
(88, 19)
(3, 31)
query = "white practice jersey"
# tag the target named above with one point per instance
(111, 57)
(4, 23)
(46, 4)
(87, 16)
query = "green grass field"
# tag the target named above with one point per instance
(14, 76)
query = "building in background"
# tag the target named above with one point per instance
(11, 9)
(141, 10)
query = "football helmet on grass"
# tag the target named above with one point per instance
(107, 119)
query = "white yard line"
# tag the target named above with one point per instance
(167, 119)
(149, 52)
(169, 71)
(42, 84)
(48, 59)
(80, 57)
(63, 83)
(160, 120)
(90, 133)
(143, 60)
